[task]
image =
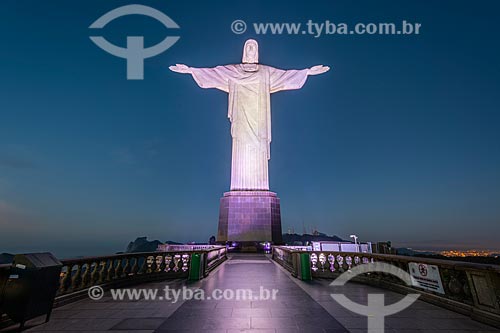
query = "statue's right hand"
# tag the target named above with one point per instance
(180, 68)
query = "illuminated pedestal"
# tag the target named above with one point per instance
(249, 216)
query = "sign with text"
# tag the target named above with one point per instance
(426, 277)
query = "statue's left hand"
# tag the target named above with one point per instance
(319, 69)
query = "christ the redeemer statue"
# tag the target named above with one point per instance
(250, 212)
(250, 86)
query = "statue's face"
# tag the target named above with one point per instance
(251, 52)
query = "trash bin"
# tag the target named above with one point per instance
(196, 268)
(31, 286)
(305, 267)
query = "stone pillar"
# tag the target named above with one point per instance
(249, 216)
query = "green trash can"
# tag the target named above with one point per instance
(305, 267)
(195, 267)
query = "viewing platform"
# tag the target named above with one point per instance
(298, 306)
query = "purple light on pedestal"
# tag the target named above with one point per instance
(249, 216)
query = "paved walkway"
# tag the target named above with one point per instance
(298, 307)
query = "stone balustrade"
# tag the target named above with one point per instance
(77, 275)
(471, 289)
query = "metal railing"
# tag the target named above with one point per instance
(471, 289)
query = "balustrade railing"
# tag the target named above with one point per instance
(82, 273)
(472, 289)
(284, 256)
(215, 257)
(77, 275)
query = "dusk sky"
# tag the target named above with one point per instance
(399, 141)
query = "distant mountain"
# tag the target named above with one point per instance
(295, 239)
(6, 258)
(141, 244)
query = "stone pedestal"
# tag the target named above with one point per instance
(249, 216)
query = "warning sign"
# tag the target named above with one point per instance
(426, 277)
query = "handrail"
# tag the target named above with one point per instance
(469, 288)
(431, 261)
(79, 274)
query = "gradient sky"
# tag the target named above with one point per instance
(399, 141)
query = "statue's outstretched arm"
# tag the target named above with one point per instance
(319, 69)
(215, 77)
(292, 78)
(181, 68)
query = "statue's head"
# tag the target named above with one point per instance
(251, 52)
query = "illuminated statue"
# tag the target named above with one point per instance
(250, 86)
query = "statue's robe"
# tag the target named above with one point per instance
(250, 114)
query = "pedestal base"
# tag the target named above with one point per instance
(249, 216)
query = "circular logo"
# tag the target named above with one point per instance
(96, 293)
(238, 27)
(376, 310)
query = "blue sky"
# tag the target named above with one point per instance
(399, 141)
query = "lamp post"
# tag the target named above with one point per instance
(355, 241)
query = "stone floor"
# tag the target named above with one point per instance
(298, 307)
